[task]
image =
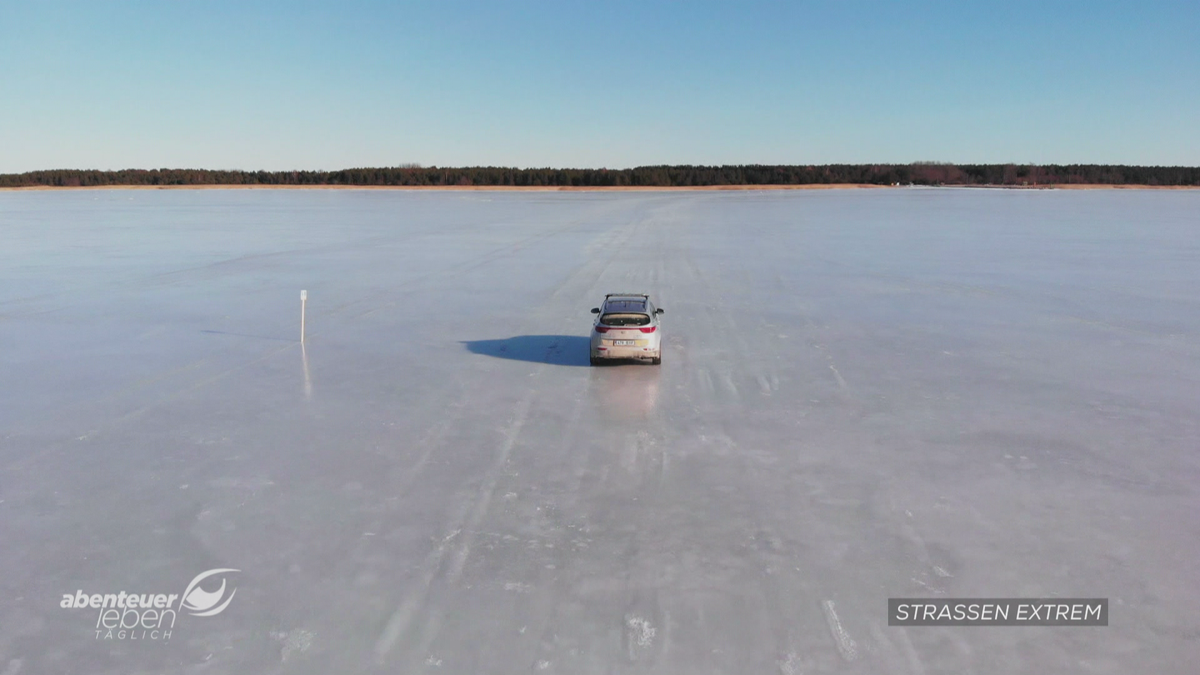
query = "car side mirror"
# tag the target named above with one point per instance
(658, 311)
(595, 310)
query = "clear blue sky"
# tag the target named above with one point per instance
(327, 85)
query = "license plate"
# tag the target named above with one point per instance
(624, 343)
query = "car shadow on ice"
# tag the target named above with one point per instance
(556, 350)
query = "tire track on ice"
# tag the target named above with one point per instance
(766, 379)
(544, 614)
(645, 622)
(430, 441)
(471, 265)
(462, 268)
(443, 566)
(554, 582)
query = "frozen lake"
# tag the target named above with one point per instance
(864, 395)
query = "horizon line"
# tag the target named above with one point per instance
(420, 167)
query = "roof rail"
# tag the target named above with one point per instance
(631, 295)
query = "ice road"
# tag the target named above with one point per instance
(864, 394)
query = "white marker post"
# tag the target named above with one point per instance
(303, 304)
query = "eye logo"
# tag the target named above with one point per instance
(207, 603)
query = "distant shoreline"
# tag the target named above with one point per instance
(641, 178)
(471, 188)
(597, 188)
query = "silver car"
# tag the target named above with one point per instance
(626, 327)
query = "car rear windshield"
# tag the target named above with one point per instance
(625, 320)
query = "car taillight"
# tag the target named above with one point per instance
(601, 329)
(648, 330)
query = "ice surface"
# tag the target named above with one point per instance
(864, 394)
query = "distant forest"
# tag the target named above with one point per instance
(920, 173)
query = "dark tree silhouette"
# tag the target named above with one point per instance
(919, 173)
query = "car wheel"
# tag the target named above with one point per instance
(595, 361)
(656, 361)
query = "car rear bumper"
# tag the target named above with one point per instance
(615, 353)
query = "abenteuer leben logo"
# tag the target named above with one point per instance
(152, 616)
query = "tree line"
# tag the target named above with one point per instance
(919, 173)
